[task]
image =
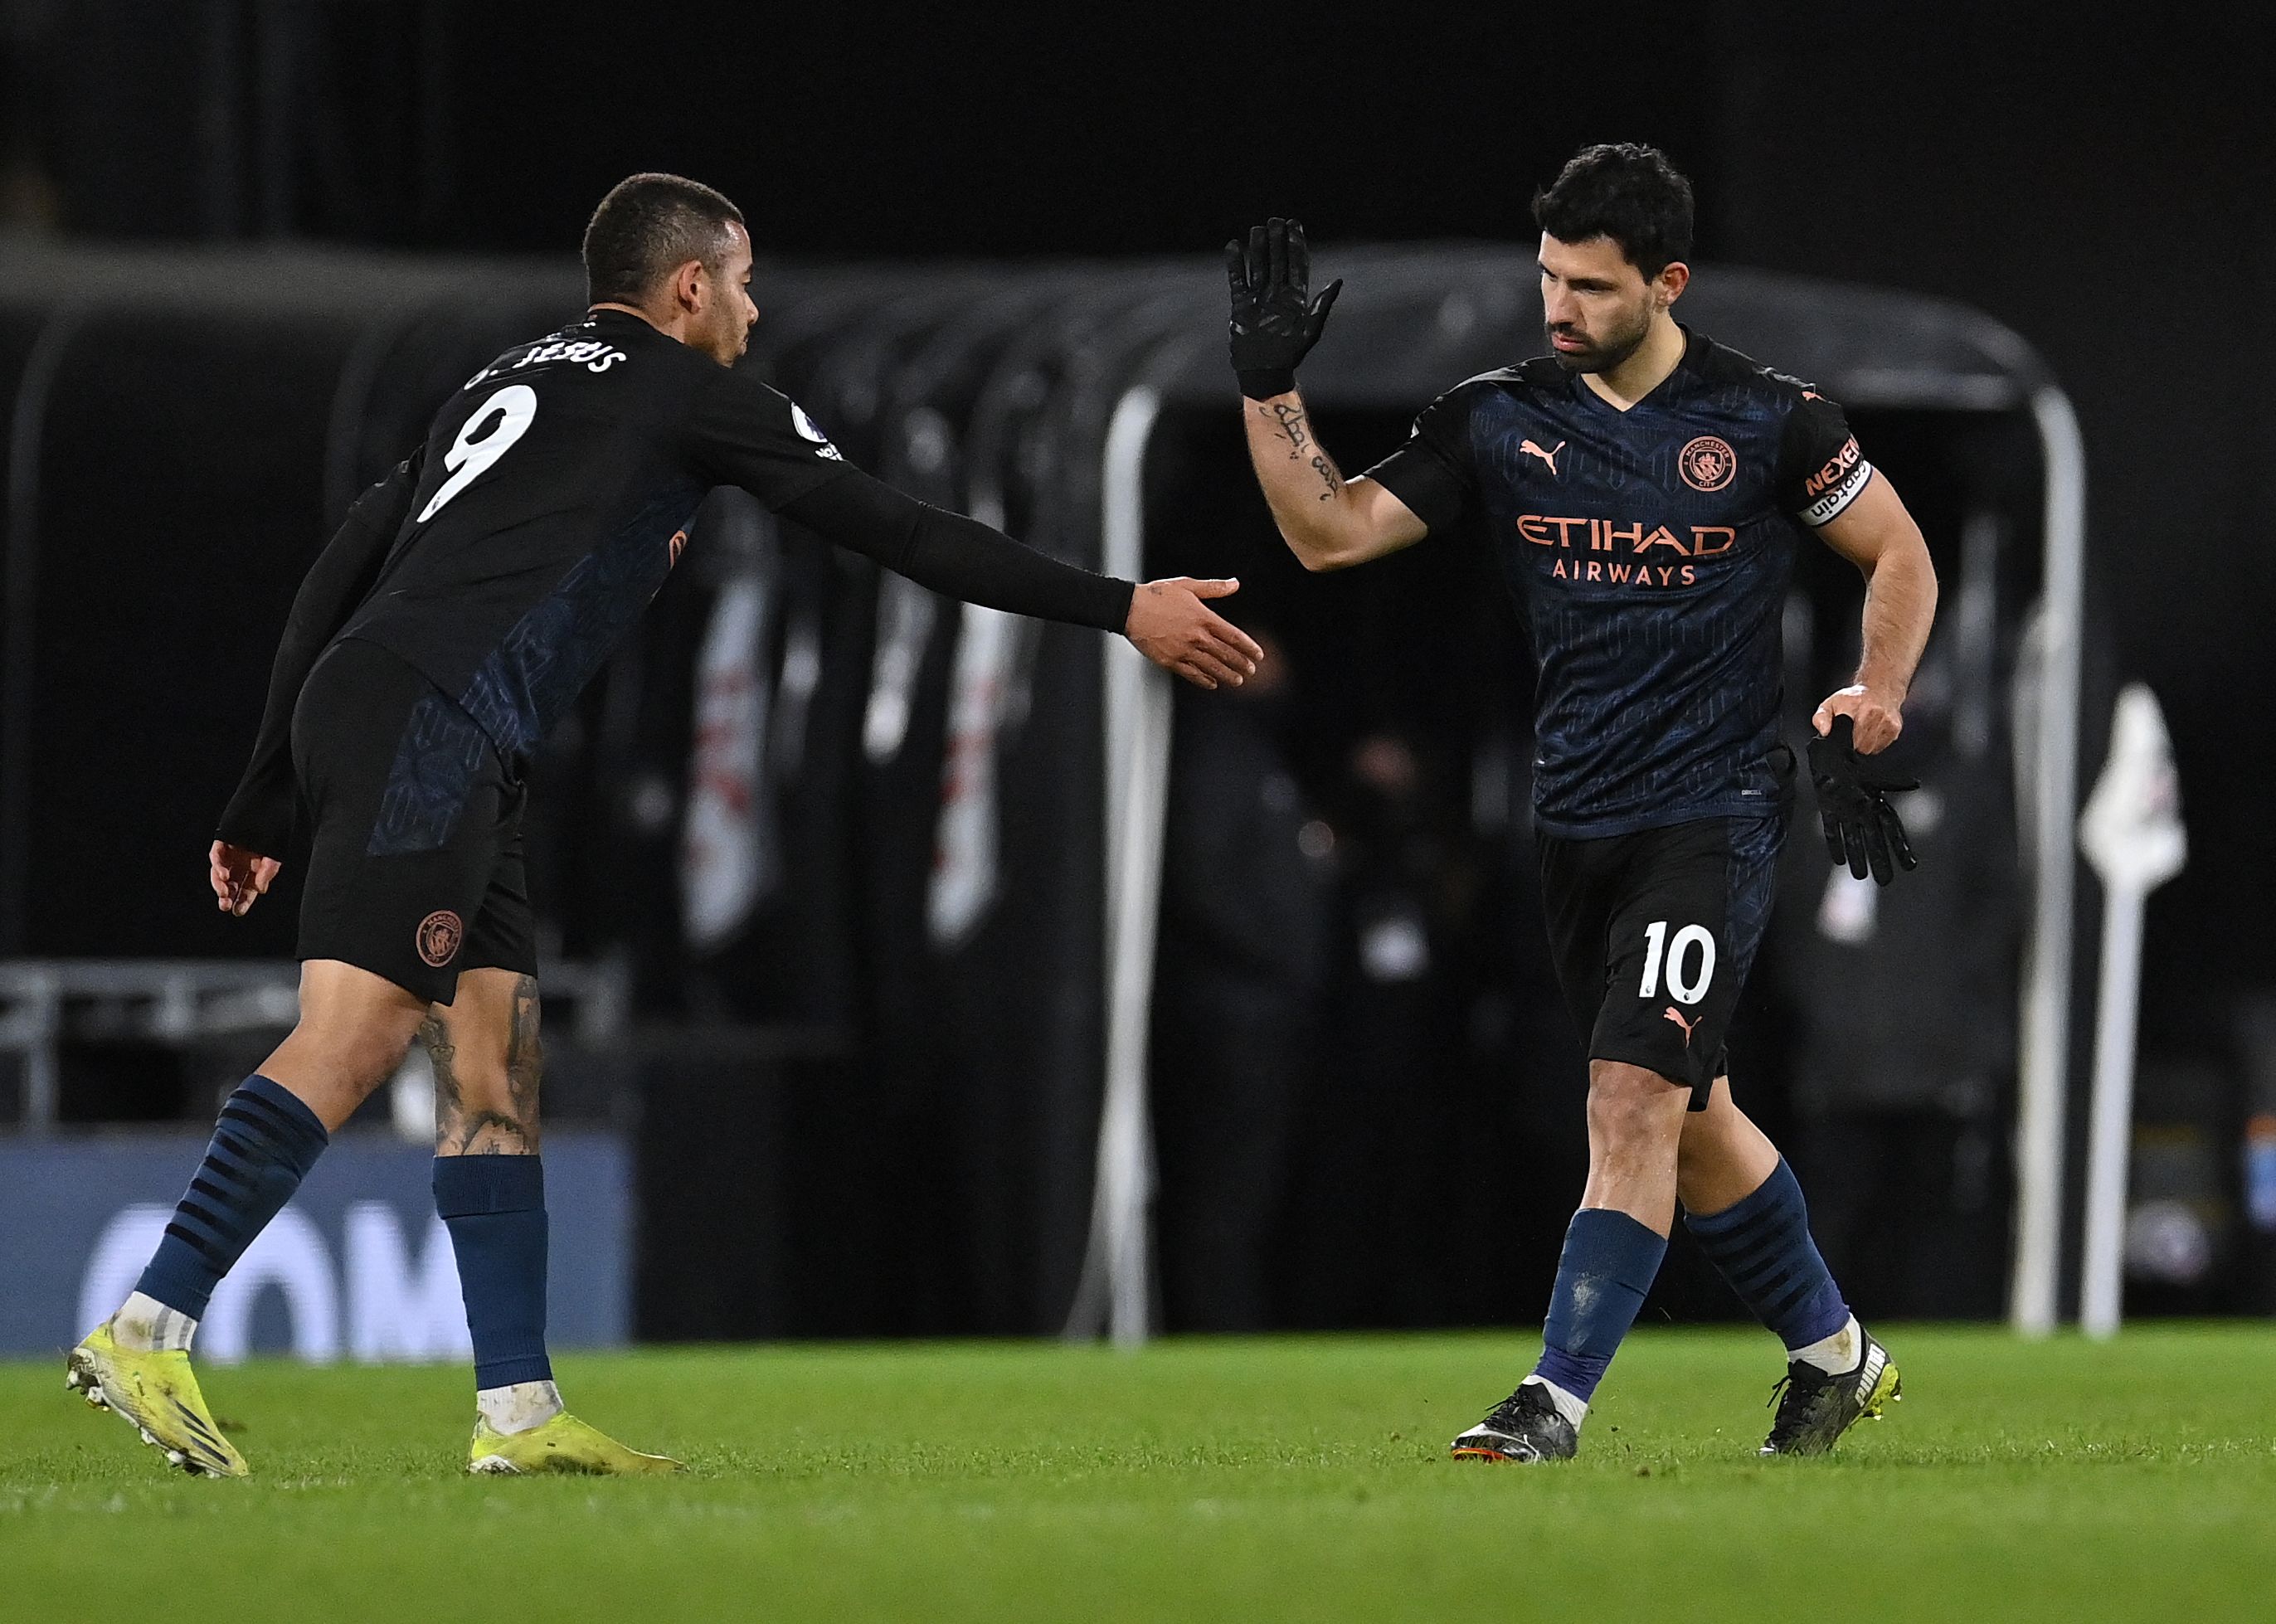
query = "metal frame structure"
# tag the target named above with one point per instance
(182, 1001)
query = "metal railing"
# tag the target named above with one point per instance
(48, 1003)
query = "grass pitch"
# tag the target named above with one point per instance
(1295, 1478)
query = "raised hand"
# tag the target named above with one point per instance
(1171, 625)
(1275, 320)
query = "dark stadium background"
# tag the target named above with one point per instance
(2098, 184)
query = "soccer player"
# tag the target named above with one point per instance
(1642, 489)
(467, 600)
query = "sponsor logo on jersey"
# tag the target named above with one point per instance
(1530, 449)
(1598, 572)
(679, 542)
(810, 429)
(1834, 486)
(1707, 463)
(1625, 543)
(1837, 468)
(439, 936)
(1611, 536)
(1690, 1027)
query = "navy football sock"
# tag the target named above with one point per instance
(262, 1148)
(1762, 1246)
(494, 1207)
(1607, 1268)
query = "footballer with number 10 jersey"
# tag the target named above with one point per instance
(1641, 491)
(1649, 552)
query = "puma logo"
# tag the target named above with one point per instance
(1689, 1026)
(1549, 457)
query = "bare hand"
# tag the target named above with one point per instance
(1171, 625)
(1879, 718)
(240, 878)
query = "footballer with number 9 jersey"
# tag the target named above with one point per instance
(1643, 490)
(452, 620)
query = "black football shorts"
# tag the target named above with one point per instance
(1653, 934)
(416, 872)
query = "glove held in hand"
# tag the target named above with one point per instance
(1862, 828)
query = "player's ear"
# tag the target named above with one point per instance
(1674, 277)
(688, 285)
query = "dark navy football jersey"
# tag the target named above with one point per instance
(1649, 553)
(508, 591)
(505, 557)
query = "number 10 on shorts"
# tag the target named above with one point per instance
(1682, 987)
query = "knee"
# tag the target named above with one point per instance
(1629, 1105)
(359, 1055)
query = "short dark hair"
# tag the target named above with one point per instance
(649, 225)
(1628, 193)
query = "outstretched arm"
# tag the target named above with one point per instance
(742, 432)
(257, 823)
(961, 558)
(1878, 535)
(1329, 522)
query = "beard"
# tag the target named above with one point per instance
(1603, 354)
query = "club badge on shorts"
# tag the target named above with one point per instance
(439, 936)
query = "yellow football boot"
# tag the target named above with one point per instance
(564, 1443)
(157, 1394)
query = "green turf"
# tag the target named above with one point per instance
(1298, 1479)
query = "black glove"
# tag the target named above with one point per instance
(1273, 324)
(1862, 828)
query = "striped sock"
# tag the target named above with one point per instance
(1762, 1246)
(262, 1148)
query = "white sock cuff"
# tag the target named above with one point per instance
(518, 1406)
(1837, 1354)
(1571, 1406)
(145, 1325)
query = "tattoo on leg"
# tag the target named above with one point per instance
(442, 1057)
(495, 1126)
(525, 1059)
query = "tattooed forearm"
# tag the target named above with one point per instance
(1310, 502)
(1292, 428)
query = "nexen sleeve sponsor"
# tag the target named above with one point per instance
(1835, 485)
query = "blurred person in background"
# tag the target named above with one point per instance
(1386, 1040)
(1239, 997)
(445, 630)
(1645, 488)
